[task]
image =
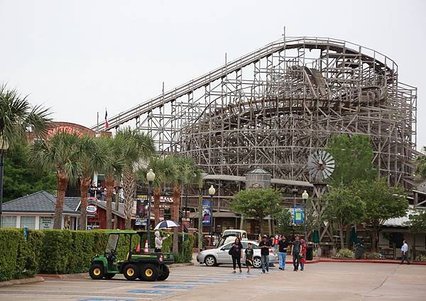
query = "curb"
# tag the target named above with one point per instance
(370, 261)
(64, 276)
(22, 281)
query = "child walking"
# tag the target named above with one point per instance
(249, 257)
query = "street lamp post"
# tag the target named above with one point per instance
(305, 197)
(150, 176)
(212, 191)
(4, 145)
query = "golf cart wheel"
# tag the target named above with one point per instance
(109, 275)
(131, 272)
(164, 273)
(96, 271)
(149, 272)
(257, 262)
(210, 261)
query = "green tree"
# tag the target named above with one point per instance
(90, 159)
(417, 224)
(381, 203)
(112, 168)
(283, 220)
(61, 153)
(257, 203)
(133, 147)
(421, 165)
(23, 177)
(17, 116)
(343, 209)
(354, 159)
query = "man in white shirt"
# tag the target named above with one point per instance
(404, 252)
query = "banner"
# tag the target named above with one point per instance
(298, 215)
(141, 212)
(207, 212)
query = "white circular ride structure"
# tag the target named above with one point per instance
(274, 107)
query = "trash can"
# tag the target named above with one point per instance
(359, 251)
(309, 252)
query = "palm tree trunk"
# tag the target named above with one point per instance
(84, 188)
(129, 194)
(60, 199)
(342, 243)
(156, 196)
(109, 183)
(175, 217)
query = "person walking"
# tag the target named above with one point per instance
(235, 252)
(296, 253)
(282, 252)
(302, 254)
(264, 253)
(249, 256)
(404, 252)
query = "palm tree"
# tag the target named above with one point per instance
(133, 147)
(61, 153)
(17, 116)
(112, 168)
(185, 172)
(163, 169)
(90, 159)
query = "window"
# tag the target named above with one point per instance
(28, 221)
(8, 221)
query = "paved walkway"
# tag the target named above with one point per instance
(321, 281)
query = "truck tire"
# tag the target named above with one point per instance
(96, 271)
(149, 272)
(131, 272)
(164, 273)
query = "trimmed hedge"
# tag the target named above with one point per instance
(9, 239)
(65, 251)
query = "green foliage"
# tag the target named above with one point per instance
(257, 203)
(65, 251)
(185, 248)
(9, 242)
(353, 156)
(373, 255)
(417, 222)
(81, 252)
(22, 177)
(345, 253)
(381, 201)
(343, 206)
(56, 251)
(421, 165)
(283, 219)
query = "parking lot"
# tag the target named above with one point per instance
(321, 281)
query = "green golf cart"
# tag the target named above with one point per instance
(124, 255)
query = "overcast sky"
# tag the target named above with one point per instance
(80, 57)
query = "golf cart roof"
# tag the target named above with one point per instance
(127, 231)
(122, 232)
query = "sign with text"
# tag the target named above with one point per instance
(298, 215)
(207, 212)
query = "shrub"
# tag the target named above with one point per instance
(81, 252)
(9, 244)
(373, 255)
(56, 251)
(345, 253)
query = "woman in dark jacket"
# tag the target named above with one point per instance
(235, 252)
